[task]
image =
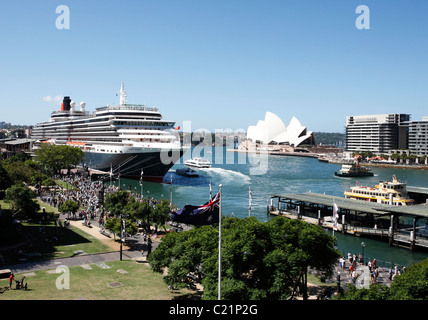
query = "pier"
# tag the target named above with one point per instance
(405, 226)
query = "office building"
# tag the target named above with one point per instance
(376, 133)
(418, 136)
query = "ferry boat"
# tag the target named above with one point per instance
(388, 192)
(197, 163)
(124, 139)
(353, 170)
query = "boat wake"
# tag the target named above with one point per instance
(227, 176)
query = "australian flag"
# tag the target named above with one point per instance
(199, 215)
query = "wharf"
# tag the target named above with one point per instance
(359, 218)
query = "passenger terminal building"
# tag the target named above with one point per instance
(384, 133)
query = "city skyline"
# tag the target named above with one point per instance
(219, 64)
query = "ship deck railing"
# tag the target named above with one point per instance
(133, 107)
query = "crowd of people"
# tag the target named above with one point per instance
(86, 193)
(374, 269)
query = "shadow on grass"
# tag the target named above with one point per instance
(40, 241)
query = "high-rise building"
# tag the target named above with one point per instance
(377, 133)
(418, 136)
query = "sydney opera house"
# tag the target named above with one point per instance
(271, 134)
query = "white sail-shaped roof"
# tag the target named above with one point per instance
(273, 130)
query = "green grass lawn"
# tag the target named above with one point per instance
(139, 283)
(65, 185)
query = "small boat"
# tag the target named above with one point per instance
(388, 192)
(187, 172)
(197, 163)
(353, 170)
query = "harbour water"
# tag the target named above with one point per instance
(278, 175)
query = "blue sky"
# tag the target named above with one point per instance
(220, 64)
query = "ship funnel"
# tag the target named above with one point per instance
(66, 102)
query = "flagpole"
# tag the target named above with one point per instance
(141, 184)
(335, 215)
(219, 248)
(111, 173)
(249, 205)
(170, 190)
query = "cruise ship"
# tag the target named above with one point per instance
(126, 139)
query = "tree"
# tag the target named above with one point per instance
(48, 182)
(183, 253)
(5, 179)
(18, 171)
(138, 210)
(113, 224)
(21, 199)
(70, 207)
(161, 212)
(259, 260)
(53, 158)
(412, 284)
(374, 292)
(115, 203)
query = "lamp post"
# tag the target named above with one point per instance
(338, 281)
(141, 184)
(363, 245)
(122, 233)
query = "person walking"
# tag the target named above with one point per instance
(11, 277)
(390, 273)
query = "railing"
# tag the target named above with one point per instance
(368, 231)
(132, 107)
